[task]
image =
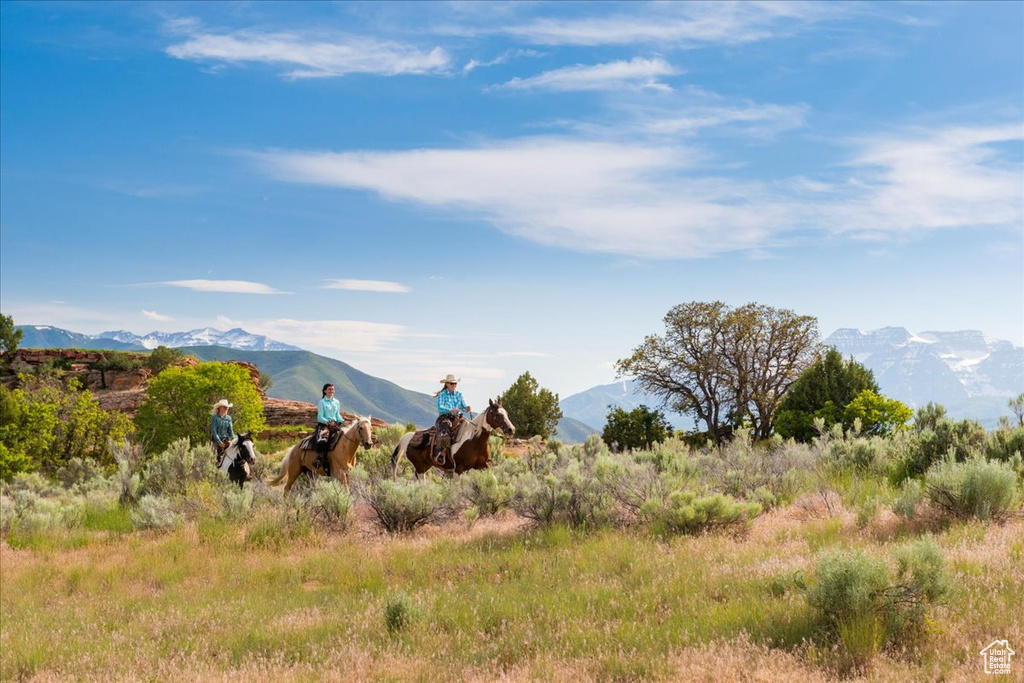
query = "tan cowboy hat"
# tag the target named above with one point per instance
(450, 378)
(223, 402)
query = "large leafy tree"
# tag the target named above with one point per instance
(9, 338)
(533, 409)
(637, 428)
(46, 423)
(724, 366)
(822, 391)
(178, 402)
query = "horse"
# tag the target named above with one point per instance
(342, 457)
(471, 448)
(239, 459)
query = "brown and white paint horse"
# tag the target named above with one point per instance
(470, 450)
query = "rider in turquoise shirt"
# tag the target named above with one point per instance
(449, 404)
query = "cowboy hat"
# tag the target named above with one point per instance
(450, 378)
(223, 402)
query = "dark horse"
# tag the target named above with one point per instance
(239, 459)
(470, 449)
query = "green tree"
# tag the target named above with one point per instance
(178, 402)
(9, 340)
(724, 366)
(635, 429)
(162, 358)
(878, 415)
(533, 409)
(822, 391)
(47, 423)
(1017, 406)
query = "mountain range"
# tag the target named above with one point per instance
(972, 375)
(46, 337)
(297, 375)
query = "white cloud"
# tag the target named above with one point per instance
(153, 315)
(758, 119)
(366, 285)
(664, 202)
(590, 196)
(309, 56)
(228, 286)
(919, 180)
(682, 24)
(500, 59)
(612, 75)
(330, 336)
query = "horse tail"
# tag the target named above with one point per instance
(399, 451)
(284, 469)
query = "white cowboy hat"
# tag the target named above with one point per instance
(450, 378)
(223, 402)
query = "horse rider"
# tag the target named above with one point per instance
(222, 430)
(328, 417)
(450, 405)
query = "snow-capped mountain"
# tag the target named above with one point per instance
(970, 374)
(236, 338)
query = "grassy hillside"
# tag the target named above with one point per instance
(570, 430)
(299, 375)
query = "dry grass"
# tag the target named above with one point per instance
(497, 601)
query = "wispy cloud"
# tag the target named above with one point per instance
(366, 286)
(758, 119)
(555, 191)
(153, 315)
(503, 58)
(682, 24)
(637, 72)
(335, 336)
(307, 55)
(927, 179)
(226, 286)
(667, 202)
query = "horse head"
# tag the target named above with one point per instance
(364, 428)
(497, 418)
(246, 452)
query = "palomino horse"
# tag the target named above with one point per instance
(471, 449)
(342, 457)
(239, 459)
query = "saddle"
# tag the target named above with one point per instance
(441, 435)
(321, 442)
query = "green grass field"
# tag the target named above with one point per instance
(272, 599)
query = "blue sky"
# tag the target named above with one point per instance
(486, 189)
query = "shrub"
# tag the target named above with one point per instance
(684, 512)
(330, 503)
(974, 488)
(401, 506)
(629, 482)
(909, 498)
(481, 490)
(861, 607)
(397, 613)
(154, 512)
(964, 439)
(739, 468)
(387, 437)
(538, 497)
(1004, 444)
(170, 472)
(235, 504)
